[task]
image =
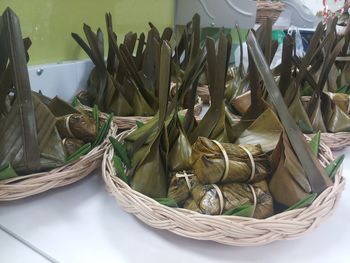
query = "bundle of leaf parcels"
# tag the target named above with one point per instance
(127, 84)
(317, 72)
(31, 137)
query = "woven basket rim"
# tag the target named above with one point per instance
(259, 231)
(28, 185)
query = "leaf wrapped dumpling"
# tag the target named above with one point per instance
(214, 199)
(246, 163)
(79, 126)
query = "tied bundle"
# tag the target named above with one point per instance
(225, 177)
(78, 126)
(215, 199)
(216, 162)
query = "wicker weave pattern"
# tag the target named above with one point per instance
(336, 141)
(229, 230)
(267, 9)
(25, 186)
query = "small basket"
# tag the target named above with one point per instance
(229, 230)
(268, 9)
(28, 185)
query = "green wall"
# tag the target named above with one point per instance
(49, 22)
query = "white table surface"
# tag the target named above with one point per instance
(82, 223)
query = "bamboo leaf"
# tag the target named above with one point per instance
(334, 166)
(304, 203)
(167, 202)
(120, 151)
(7, 172)
(118, 164)
(80, 152)
(244, 210)
(315, 143)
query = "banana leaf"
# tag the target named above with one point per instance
(107, 94)
(180, 150)
(179, 190)
(332, 48)
(210, 165)
(59, 107)
(236, 82)
(311, 170)
(29, 139)
(341, 100)
(336, 120)
(214, 123)
(265, 130)
(288, 184)
(149, 174)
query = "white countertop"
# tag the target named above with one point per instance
(82, 223)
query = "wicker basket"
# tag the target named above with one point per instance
(25, 186)
(267, 9)
(229, 230)
(336, 141)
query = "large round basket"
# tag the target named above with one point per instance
(268, 9)
(28, 185)
(229, 230)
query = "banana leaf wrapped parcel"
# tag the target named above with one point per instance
(246, 163)
(78, 126)
(37, 133)
(214, 199)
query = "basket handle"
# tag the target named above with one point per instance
(12, 36)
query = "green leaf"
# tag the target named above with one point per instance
(118, 164)
(120, 151)
(76, 102)
(244, 210)
(139, 124)
(333, 167)
(167, 202)
(102, 133)
(343, 89)
(7, 172)
(96, 116)
(80, 152)
(315, 143)
(304, 202)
